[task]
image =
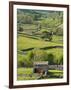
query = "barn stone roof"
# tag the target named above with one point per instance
(41, 63)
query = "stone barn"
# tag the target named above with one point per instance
(41, 67)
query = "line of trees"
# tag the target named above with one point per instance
(38, 55)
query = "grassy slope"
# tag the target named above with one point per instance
(26, 74)
(25, 42)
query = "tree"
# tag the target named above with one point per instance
(50, 59)
(61, 60)
(21, 60)
(24, 18)
(20, 29)
(39, 55)
(46, 35)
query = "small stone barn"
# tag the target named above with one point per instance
(40, 67)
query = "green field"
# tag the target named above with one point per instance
(27, 74)
(25, 42)
(25, 71)
(27, 26)
(39, 38)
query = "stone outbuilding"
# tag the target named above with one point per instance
(40, 67)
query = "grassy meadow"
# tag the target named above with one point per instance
(27, 74)
(39, 35)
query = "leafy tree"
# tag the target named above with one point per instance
(46, 35)
(24, 18)
(30, 57)
(20, 29)
(40, 55)
(50, 59)
(61, 60)
(21, 60)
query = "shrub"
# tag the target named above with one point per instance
(38, 55)
(29, 61)
(61, 60)
(30, 55)
(46, 34)
(51, 59)
(21, 60)
(20, 29)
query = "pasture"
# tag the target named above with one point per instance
(39, 38)
(27, 74)
(24, 43)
